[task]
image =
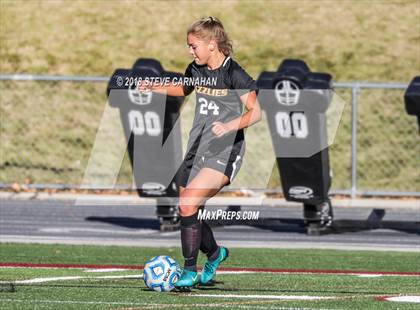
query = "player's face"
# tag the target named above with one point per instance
(199, 49)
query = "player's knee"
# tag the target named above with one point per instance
(187, 204)
(187, 210)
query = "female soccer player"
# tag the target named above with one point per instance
(216, 144)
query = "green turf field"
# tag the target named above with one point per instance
(88, 288)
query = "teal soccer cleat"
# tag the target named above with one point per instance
(209, 270)
(188, 278)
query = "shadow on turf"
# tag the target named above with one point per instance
(8, 287)
(374, 221)
(209, 288)
(128, 222)
(212, 287)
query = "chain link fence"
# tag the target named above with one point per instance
(49, 124)
(388, 145)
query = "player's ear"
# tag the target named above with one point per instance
(212, 45)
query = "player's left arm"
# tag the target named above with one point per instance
(250, 117)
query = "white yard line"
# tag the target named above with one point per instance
(369, 275)
(280, 297)
(106, 270)
(52, 279)
(413, 299)
(152, 305)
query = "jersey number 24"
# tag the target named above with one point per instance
(208, 106)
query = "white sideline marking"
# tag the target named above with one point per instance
(157, 306)
(415, 299)
(43, 280)
(369, 275)
(282, 297)
(235, 272)
(105, 270)
(118, 277)
(52, 279)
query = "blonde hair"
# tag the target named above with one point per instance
(208, 28)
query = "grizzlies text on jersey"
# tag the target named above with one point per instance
(217, 101)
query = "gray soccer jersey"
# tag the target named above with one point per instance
(217, 93)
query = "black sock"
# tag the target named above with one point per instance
(190, 240)
(208, 243)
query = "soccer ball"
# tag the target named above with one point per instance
(160, 273)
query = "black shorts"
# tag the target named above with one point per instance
(228, 164)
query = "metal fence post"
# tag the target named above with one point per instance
(354, 93)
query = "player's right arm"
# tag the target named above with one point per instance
(176, 90)
(169, 90)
